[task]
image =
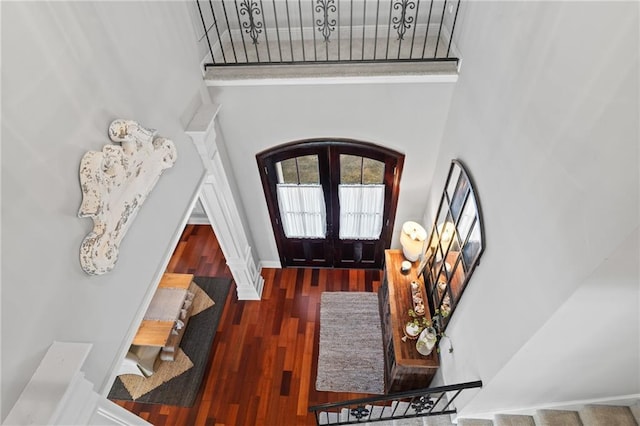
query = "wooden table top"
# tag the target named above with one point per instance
(171, 280)
(156, 333)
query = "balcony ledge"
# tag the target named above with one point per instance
(348, 73)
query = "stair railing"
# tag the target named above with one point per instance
(401, 405)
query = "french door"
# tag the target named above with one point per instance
(332, 202)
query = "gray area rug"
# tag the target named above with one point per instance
(351, 357)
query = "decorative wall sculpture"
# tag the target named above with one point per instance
(115, 182)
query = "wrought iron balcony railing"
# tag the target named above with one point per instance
(257, 32)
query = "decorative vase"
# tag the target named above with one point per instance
(426, 341)
(411, 331)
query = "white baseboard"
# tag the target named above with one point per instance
(275, 264)
(196, 219)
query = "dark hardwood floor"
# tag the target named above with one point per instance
(263, 362)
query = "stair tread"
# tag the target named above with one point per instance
(607, 415)
(444, 420)
(379, 411)
(415, 421)
(327, 418)
(635, 410)
(474, 422)
(513, 420)
(557, 417)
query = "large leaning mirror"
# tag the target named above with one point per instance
(455, 243)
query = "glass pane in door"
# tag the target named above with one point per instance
(361, 197)
(299, 170)
(300, 198)
(372, 171)
(360, 170)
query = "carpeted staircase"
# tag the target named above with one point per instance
(588, 415)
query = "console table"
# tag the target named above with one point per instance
(405, 368)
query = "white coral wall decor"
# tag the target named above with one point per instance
(115, 182)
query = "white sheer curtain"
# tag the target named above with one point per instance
(302, 210)
(361, 209)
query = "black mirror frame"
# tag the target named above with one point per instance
(451, 257)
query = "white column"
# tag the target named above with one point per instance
(218, 203)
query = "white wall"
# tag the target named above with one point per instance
(545, 116)
(406, 117)
(584, 350)
(68, 69)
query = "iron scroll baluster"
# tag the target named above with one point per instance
(422, 403)
(359, 412)
(403, 22)
(325, 25)
(253, 27)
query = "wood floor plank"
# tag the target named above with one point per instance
(303, 395)
(263, 360)
(202, 413)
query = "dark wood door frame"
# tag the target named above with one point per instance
(329, 165)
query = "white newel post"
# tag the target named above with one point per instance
(219, 205)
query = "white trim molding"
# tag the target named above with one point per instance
(115, 182)
(59, 394)
(219, 204)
